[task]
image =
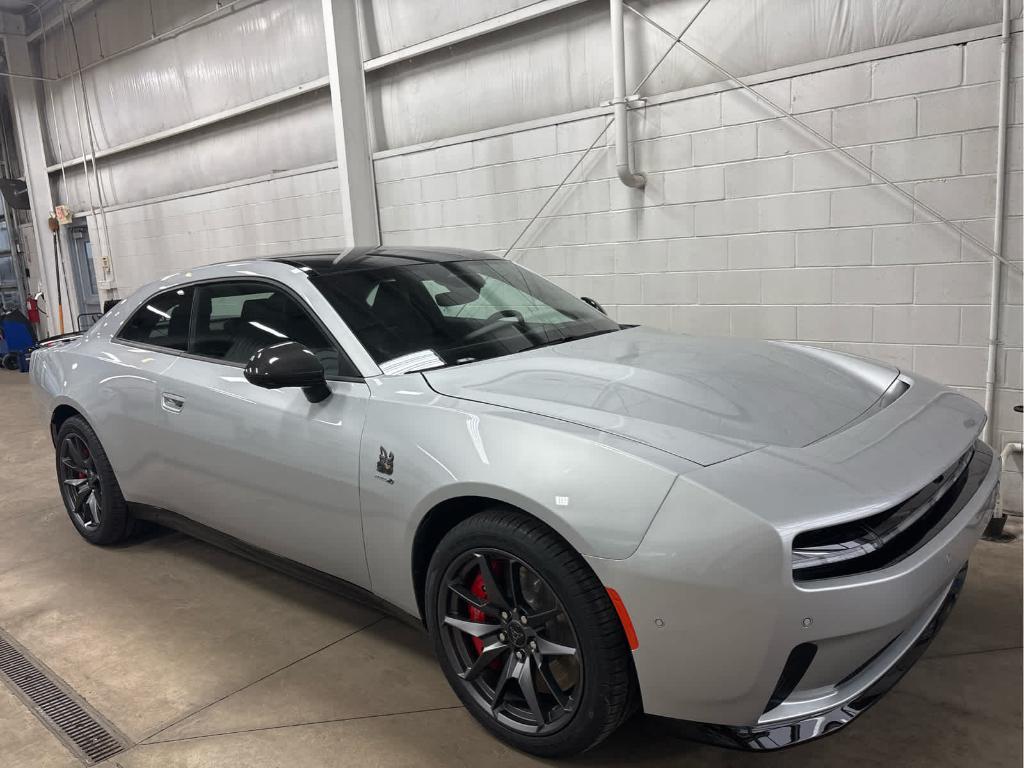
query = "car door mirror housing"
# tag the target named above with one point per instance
(289, 364)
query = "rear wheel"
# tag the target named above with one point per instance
(88, 487)
(527, 636)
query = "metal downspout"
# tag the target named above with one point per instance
(994, 342)
(627, 175)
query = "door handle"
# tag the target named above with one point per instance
(173, 403)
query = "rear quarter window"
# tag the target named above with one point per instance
(161, 321)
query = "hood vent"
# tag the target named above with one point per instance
(896, 390)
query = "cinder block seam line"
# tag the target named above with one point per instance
(666, 134)
(193, 713)
(555, 214)
(823, 148)
(462, 227)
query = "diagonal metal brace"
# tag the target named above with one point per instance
(829, 143)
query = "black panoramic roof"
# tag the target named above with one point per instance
(333, 262)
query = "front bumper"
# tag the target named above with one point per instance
(717, 617)
(787, 733)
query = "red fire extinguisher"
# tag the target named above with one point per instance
(33, 311)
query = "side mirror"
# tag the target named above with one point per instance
(288, 364)
(594, 304)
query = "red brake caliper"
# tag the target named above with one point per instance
(83, 475)
(475, 614)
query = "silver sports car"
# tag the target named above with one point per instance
(753, 539)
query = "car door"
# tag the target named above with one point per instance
(126, 405)
(265, 466)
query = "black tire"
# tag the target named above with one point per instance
(604, 694)
(115, 523)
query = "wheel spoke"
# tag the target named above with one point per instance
(76, 482)
(94, 508)
(76, 453)
(494, 593)
(507, 673)
(488, 609)
(547, 648)
(529, 692)
(484, 660)
(472, 628)
(549, 680)
(81, 496)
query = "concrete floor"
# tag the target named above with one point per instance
(204, 659)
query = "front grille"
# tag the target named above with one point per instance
(887, 537)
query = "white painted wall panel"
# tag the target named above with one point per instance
(289, 215)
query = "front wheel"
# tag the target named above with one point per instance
(527, 635)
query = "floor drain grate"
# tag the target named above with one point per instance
(50, 699)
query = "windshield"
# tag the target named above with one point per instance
(430, 315)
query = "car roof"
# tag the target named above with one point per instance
(359, 258)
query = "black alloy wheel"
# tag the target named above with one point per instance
(527, 635)
(513, 641)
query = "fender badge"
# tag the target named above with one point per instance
(385, 465)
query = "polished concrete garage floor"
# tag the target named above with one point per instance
(204, 659)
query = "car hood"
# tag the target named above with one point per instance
(702, 399)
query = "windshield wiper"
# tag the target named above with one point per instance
(575, 337)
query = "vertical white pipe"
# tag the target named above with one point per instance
(994, 342)
(627, 175)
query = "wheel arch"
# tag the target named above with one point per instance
(444, 516)
(61, 413)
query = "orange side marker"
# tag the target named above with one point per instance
(627, 623)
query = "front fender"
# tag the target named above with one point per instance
(586, 485)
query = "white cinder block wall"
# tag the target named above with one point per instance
(747, 228)
(298, 211)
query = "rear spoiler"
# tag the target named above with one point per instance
(53, 341)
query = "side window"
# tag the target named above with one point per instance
(162, 321)
(234, 320)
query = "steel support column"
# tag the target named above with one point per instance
(26, 108)
(351, 129)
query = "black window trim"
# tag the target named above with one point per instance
(118, 339)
